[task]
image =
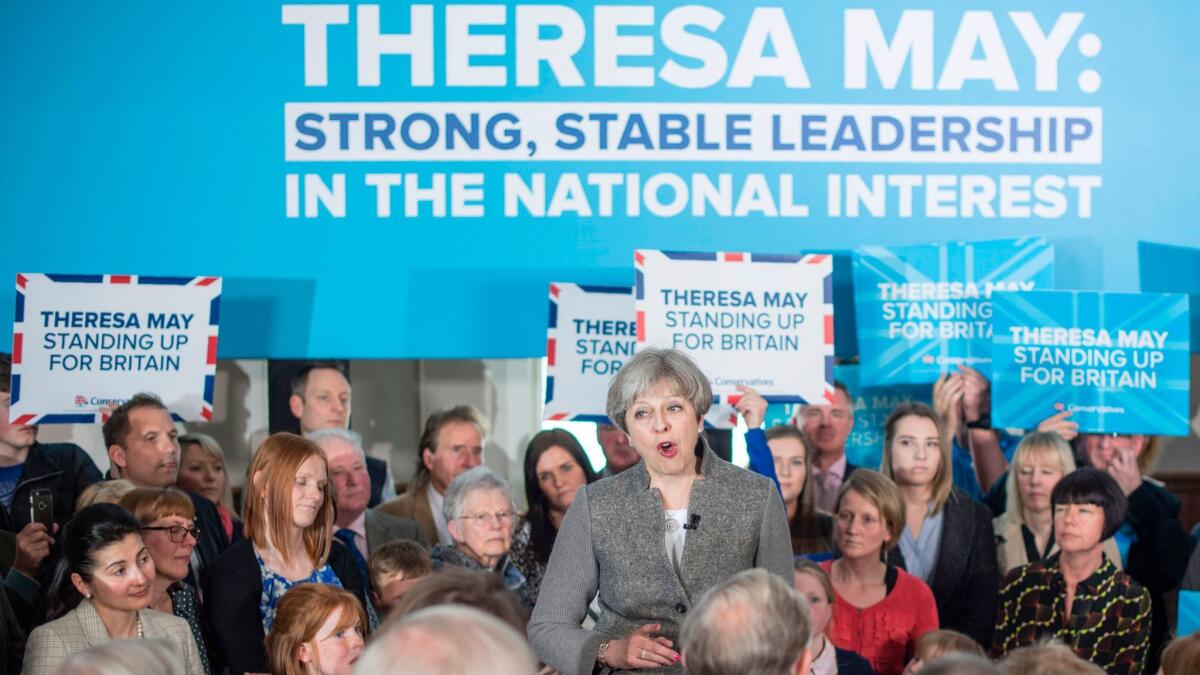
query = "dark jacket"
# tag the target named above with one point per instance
(12, 637)
(212, 542)
(377, 469)
(966, 579)
(64, 468)
(851, 663)
(232, 592)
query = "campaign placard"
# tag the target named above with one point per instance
(921, 310)
(590, 335)
(82, 342)
(872, 405)
(760, 320)
(1119, 361)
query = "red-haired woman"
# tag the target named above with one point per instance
(318, 629)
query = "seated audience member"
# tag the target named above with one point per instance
(827, 427)
(480, 511)
(451, 443)
(447, 639)
(1025, 531)
(170, 535)
(125, 657)
(202, 471)
(753, 622)
(1047, 658)
(813, 583)
(394, 568)
(27, 465)
(1079, 596)
(555, 468)
(143, 448)
(938, 643)
(318, 630)
(879, 610)
(812, 529)
(961, 664)
(321, 398)
(457, 586)
(104, 492)
(361, 529)
(102, 591)
(288, 518)
(618, 453)
(947, 541)
(1182, 656)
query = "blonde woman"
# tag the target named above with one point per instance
(202, 470)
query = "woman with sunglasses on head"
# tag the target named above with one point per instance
(169, 531)
(479, 513)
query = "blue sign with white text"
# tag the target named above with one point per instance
(1118, 361)
(922, 310)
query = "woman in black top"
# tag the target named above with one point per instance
(811, 528)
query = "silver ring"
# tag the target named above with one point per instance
(643, 654)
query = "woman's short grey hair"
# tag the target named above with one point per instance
(126, 657)
(650, 368)
(755, 622)
(447, 639)
(345, 435)
(477, 478)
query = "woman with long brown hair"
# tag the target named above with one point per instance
(811, 528)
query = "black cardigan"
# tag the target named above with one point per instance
(232, 591)
(966, 578)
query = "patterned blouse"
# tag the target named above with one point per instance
(274, 586)
(1109, 624)
(185, 605)
(523, 556)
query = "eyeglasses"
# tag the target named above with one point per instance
(482, 519)
(177, 532)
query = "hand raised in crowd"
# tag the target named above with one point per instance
(33, 546)
(977, 394)
(641, 650)
(752, 407)
(947, 401)
(1124, 469)
(1059, 424)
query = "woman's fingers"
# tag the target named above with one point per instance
(648, 653)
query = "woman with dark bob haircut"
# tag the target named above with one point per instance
(555, 468)
(1079, 596)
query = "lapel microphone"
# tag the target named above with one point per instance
(693, 522)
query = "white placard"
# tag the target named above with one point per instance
(589, 337)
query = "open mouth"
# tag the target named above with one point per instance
(668, 449)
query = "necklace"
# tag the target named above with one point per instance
(141, 634)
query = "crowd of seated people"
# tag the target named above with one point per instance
(966, 550)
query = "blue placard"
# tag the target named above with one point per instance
(1189, 613)
(1172, 269)
(1119, 360)
(923, 309)
(872, 405)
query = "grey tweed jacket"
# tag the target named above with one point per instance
(612, 540)
(50, 644)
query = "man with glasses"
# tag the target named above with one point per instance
(827, 427)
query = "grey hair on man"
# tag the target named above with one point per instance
(125, 657)
(447, 640)
(354, 439)
(651, 368)
(475, 478)
(753, 623)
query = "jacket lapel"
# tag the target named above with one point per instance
(93, 628)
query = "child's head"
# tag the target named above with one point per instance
(394, 567)
(937, 643)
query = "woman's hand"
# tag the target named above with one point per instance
(948, 394)
(752, 407)
(641, 650)
(1059, 424)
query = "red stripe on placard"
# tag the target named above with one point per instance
(212, 350)
(830, 393)
(550, 351)
(734, 257)
(733, 419)
(733, 399)
(559, 416)
(828, 329)
(18, 339)
(817, 259)
(638, 258)
(22, 420)
(641, 326)
(554, 290)
(21, 280)
(120, 279)
(206, 413)
(207, 281)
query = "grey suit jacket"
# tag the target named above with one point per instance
(612, 540)
(50, 644)
(413, 504)
(382, 528)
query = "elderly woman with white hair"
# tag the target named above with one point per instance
(654, 538)
(480, 514)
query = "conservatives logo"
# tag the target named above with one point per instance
(80, 401)
(96, 401)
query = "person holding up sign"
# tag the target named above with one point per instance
(625, 536)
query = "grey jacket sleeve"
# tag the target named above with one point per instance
(571, 581)
(775, 539)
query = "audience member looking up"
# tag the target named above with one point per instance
(451, 443)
